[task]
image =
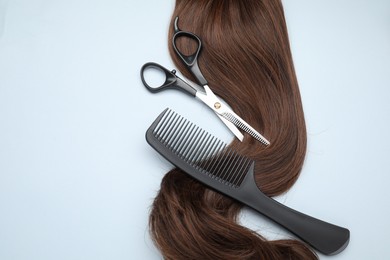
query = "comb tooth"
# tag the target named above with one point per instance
(157, 130)
(210, 143)
(215, 168)
(228, 164)
(196, 147)
(191, 147)
(204, 147)
(171, 129)
(241, 168)
(164, 135)
(210, 156)
(218, 162)
(177, 126)
(178, 138)
(233, 170)
(224, 161)
(218, 159)
(244, 172)
(213, 155)
(180, 128)
(165, 127)
(194, 144)
(237, 170)
(186, 137)
(183, 146)
(241, 172)
(189, 144)
(209, 152)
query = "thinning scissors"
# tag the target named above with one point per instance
(202, 91)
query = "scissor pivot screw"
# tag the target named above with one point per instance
(217, 105)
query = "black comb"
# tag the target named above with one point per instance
(211, 162)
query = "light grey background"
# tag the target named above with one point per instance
(76, 176)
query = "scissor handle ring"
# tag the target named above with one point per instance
(191, 61)
(171, 80)
(170, 77)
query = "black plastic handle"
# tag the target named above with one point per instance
(327, 238)
(171, 80)
(191, 61)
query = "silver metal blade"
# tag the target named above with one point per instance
(222, 110)
(232, 127)
(239, 122)
(210, 99)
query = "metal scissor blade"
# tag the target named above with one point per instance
(209, 99)
(212, 101)
(238, 121)
(232, 127)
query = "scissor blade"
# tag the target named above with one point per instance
(232, 127)
(213, 102)
(209, 100)
(239, 122)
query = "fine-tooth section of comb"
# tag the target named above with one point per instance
(209, 160)
(201, 150)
